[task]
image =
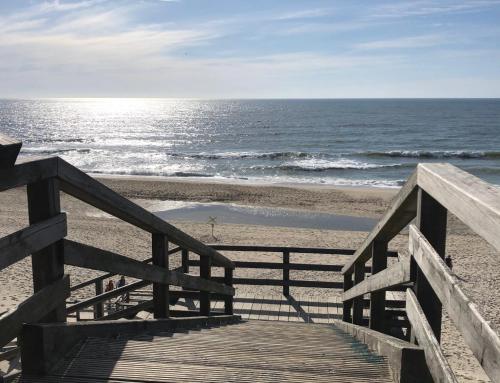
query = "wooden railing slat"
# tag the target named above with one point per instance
(436, 361)
(28, 172)
(87, 189)
(18, 245)
(394, 275)
(9, 150)
(477, 333)
(402, 210)
(472, 200)
(33, 309)
(77, 254)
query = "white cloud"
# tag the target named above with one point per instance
(304, 14)
(424, 41)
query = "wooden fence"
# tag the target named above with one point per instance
(430, 193)
(45, 241)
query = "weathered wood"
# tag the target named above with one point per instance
(438, 365)
(394, 275)
(228, 303)
(431, 221)
(87, 189)
(47, 263)
(377, 299)
(205, 273)
(33, 309)
(472, 200)
(129, 312)
(185, 261)
(477, 333)
(281, 249)
(106, 296)
(16, 246)
(160, 291)
(9, 150)
(27, 173)
(99, 307)
(279, 282)
(286, 273)
(347, 304)
(77, 254)
(402, 210)
(279, 266)
(357, 303)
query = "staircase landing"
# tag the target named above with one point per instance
(249, 351)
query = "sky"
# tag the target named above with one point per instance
(250, 49)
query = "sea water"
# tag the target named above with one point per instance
(334, 142)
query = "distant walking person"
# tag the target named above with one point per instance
(122, 282)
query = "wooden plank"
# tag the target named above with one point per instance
(402, 210)
(27, 173)
(357, 303)
(47, 263)
(91, 191)
(77, 254)
(286, 273)
(279, 282)
(377, 299)
(392, 276)
(160, 290)
(438, 365)
(228, 302)
(279, 266)
(347, 304)
(473, 201)
(16, 246)
(36, 307)
(281, 249)
(477, 333)
(99, 307)
(205, 274)
(431, 221)
(9, 150)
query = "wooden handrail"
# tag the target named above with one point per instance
(33, 309)
(22, 243)
(477, 333)
(87, 189)
(402, 210)
(77, 254)
(9, 150)
(473, 201)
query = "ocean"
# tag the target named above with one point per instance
(348, 142)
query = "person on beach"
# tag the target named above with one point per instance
(448, 262)
(122, 282)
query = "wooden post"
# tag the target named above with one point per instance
(48, 263)
(377, 299)
(205, 265)
(431, 221)
(286, 273)
(160, 290)
(228, 280)
(357, 305)
(99, 307)
(185, 261)
(9, 150)
(347, 305)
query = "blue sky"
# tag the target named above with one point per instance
(250, 49)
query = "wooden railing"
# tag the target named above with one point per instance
(431, 192)
(45, 241)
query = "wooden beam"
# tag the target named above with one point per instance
(281, 249)
(228, 302)
(286, 273)
(477, 333)
(347, 305)
(402, 210)
(377, 299)
(9, 150)
(388, 278)
(279, 266)
(205, 273)
(47, 263)
(160, 290)
(279, 282)
(27, 173)
(16, 246)
(473, 201)
(33, 309)
(77, 254)
(357, 302)
(438, 365)
(431, 221)
(91, 191)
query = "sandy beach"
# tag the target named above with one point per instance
(475, 262)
